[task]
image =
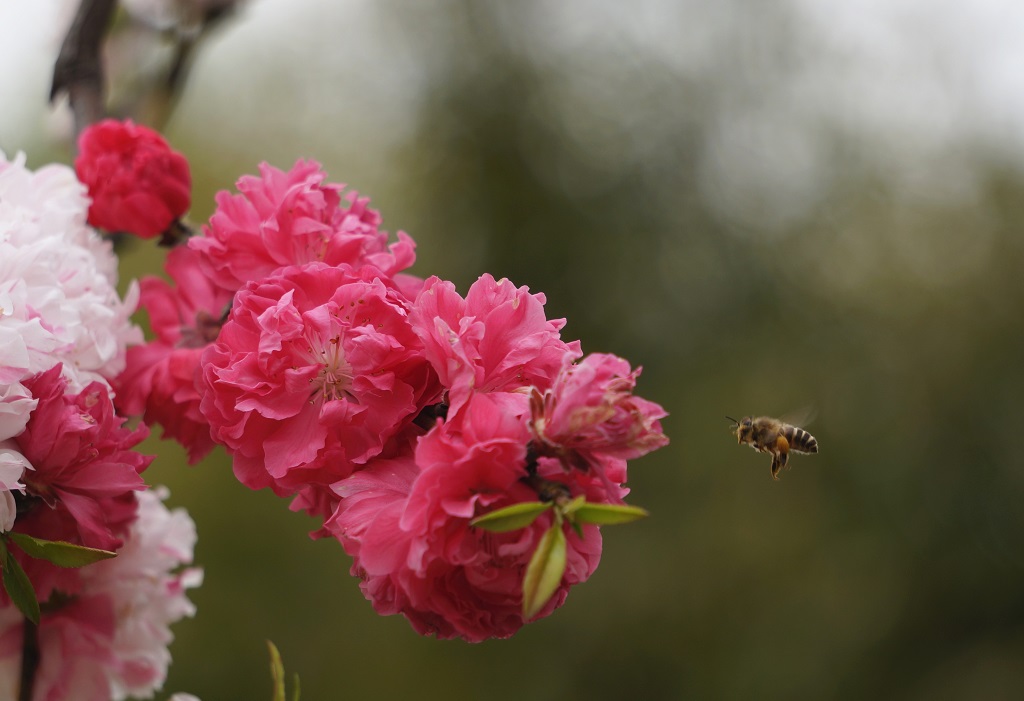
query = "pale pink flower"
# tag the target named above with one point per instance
(110, 640)
(406, 523)
(58, 296)
(591, 409)
(12, 466)
(291, 218)
(160, 380)
(315, 371)
(81, 488)
(16, 403)
(497, 339)
(148, 590)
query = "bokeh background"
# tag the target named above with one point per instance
(772, 207)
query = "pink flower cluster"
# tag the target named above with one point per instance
(83, 477)
(391, 407)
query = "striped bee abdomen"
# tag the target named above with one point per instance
(800, 440)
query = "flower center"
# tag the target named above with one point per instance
(334, 381)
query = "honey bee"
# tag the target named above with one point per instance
(767, 435)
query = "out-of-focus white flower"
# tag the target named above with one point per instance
(12, 466)
(148, 594)
(184, 16)
(109, 640)
(58, 296)
(16, 403)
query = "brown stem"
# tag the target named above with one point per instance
(79, 70)
(29, 660)
(155, 104)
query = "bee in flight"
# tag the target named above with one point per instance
(767, 435)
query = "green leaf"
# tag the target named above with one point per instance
(276, 672)
(609, 514)
(295, 689)
(19, 588)
(58, 552)
(544, 573)
(511, 518)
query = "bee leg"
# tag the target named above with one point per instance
(780, 456)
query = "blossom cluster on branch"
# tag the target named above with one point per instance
(388, 406)
(460, 450)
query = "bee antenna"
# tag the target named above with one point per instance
(733, 420)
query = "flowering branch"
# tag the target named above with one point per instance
(79, 70)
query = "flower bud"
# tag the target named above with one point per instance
(138, 185)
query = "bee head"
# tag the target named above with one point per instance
(744, 429)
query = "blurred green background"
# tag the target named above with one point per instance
(771, 207)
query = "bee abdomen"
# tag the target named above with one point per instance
(800, 440)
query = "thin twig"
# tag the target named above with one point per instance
(156, 105)
(29, 660)
(79, 70)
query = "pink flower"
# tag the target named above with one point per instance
(316, 370)
(110, 640)
(81, 488)
(406, 523)
(497, 339)
(137, 183)
(291, 218)
(590, 409)
(160, 381)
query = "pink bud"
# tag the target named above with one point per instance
(138, 185)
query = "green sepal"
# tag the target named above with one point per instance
(544, 573)
(19, 588)
(511, 518)
(59, 552)
(608, 514)
(577, 528)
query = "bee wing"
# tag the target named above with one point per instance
(801, 418)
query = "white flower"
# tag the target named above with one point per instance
(58, 295)
(12, 466)
(147, 593)
(185, 16)
(16, 403)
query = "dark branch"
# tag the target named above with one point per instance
(214, 15)
(29, 660)
(79, 70)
